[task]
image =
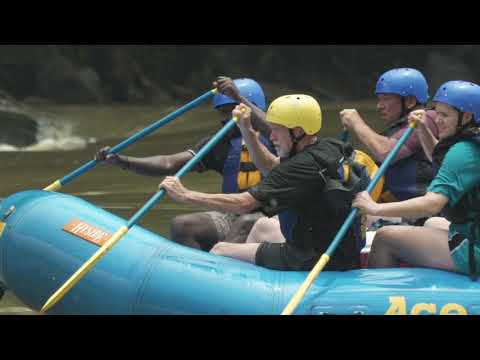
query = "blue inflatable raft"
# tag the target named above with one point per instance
(47, 236)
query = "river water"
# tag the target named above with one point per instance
(70, 135)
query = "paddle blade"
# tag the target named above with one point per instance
(55, 186)
(292, 305)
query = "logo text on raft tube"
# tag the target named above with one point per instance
(87, 232)
(398, 306)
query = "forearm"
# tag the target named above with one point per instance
(233, 203)
(263, 159)
(156, 165)
(419, 207)
(259, 118)
(378, 145)
(427, 139)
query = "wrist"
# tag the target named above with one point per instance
(421, 125)
(247, 131)
(124, 162)
(378, 210)
(186, 196)
(355, 125)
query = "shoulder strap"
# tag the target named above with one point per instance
(330, 154)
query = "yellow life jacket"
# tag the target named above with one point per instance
(248, 174)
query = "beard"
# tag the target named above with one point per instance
(282, 153)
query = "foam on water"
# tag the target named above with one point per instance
(53, 136)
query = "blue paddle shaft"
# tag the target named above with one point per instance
(351, 217)
(185, 169)
(141, 134)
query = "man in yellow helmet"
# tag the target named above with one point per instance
(295, 186)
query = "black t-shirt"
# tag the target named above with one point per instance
(291, 184)
(296, 186)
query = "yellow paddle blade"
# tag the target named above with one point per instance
(2, 227)
(84, 269)
(55, 186)
(292, 305)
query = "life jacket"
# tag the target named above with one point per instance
(467, 208)
(409, 177)
(239, 172)
(348, 171)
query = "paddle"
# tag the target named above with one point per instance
(290, 308)
(56, 185)
(133, 220)
(344, 136)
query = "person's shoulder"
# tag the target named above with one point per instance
(318, 147)
(467, 146)
(463, 152)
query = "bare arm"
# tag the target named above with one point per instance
(259, 121)
(427, 139)
(234, 203)
(423, 206)
(226, 86)
(153, 166)
(378, 145)
(159, 165)
(263, 159)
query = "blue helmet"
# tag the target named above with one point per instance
(462, 95)
(404, 82)
(249, 89)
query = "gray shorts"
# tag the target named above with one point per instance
(223, 222)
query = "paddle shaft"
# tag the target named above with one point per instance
(134, 138)
(134, 219)
(292, 305)
(185, 169)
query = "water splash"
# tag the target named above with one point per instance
(53, 136)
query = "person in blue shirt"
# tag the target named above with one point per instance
(451, 243)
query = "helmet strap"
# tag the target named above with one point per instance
(405, 110)
(461, 128)
(295, 141)
(460, 120)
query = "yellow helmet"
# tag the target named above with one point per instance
(296, 110)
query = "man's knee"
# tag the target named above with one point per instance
(265, 225)
(247, 221)
(264, 229)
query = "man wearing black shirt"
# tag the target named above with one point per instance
(294, 187)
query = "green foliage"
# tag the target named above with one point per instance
(135, 72)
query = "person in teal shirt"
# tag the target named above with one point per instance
(453, 242)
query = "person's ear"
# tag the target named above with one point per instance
(410, 102)
(298, 132)
(467, 117)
